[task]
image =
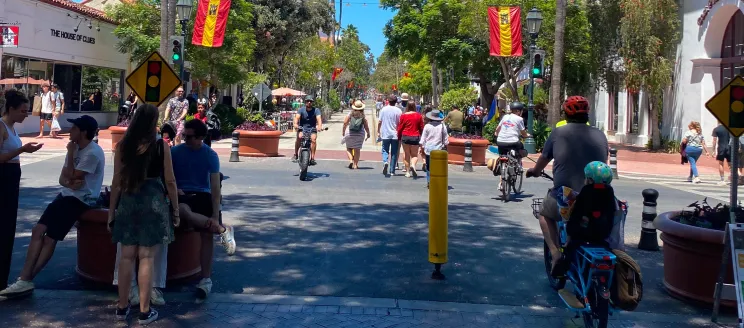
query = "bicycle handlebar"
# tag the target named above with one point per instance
(542, 175)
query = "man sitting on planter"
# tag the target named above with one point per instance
(307, 119)
(197, 171)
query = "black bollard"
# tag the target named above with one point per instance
(648, 241)
(468, 165)
(613, 163)
(234, 157)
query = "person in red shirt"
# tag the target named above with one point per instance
(409, 132)
(201, 110)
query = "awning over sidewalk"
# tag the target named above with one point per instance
(286, 91)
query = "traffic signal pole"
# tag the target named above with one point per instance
(529, 142)
(183, 53)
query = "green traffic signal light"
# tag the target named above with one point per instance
(535, 71)
(176, 56)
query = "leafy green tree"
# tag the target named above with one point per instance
(388, 71)
(460, 98)
(310, 63)
(138, 32)
(649, 33)
(418, 81)
(353, 57)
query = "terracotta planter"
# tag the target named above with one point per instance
(692, 259)
(259, 143)
(96, 253)
(456, 151)
(117, 133)
(183, 255)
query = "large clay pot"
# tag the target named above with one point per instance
(96, 253)
(259, 143)
(117, 133)
(183, 255)
(456, 151)
(692, 259)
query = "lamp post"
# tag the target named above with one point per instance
(183, 10)
(534, 21)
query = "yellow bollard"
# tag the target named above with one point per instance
(438, 212)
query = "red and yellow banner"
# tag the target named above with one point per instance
(211, 20)
(505, 27)
(336, 72)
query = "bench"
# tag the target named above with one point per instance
(96, 253)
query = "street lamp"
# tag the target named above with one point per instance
(183, 10)
(534, 21)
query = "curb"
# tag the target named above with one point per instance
(382, 303)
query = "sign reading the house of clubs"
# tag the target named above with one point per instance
(728, 106)
(153, 80)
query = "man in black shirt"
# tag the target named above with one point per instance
(307, 120)
(721, 138)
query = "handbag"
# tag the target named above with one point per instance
(55, 124)
(36, 111)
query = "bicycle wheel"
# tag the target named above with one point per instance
(599, 317)
(555, 283)
(304, 162)
(518, 181)
(504, 183)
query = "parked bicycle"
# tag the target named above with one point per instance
(303, 157)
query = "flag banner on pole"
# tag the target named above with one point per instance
(505, 28)
(492, 112)
(336, 73)
(211, 20)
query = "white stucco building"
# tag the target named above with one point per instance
(710, 54)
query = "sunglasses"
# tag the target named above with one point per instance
(190, 136)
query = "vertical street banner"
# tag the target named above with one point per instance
(211, 20)
(336, 72)
(505, 29)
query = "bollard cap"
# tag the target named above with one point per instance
(613, 151)
(468, 143)
(236, 133)
(650, 195)
(438, 155)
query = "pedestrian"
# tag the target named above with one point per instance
(14, 111)
(47, 109)
(721, 149)
(175, 113)
(426, 110)
(694, 143)
(387, 132)
(409, 132)
(357, 133)
(59, 109)
(454, 119)
(434, 137)
(81, 179)
(140, 216)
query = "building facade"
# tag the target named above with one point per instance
(710, 54)
(68, 44)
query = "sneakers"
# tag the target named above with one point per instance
(148, 317)
(313, 162)
(228, 240)
(408, 174)
(722, 183)
(122, 314)
(294, 159)
(156, 297)
(18, 287)
(689, 179)
(413, 172)
(385, 168)
(696, 180)
(203, 288)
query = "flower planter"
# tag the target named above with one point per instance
(456, 151)
(692, 259)
(117, 133)
(259, 143)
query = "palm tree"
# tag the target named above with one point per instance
(555, 80)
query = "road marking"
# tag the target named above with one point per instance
(39, 156)
(707, 188)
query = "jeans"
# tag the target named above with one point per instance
(390, 149)
(10, 179)
(428, 160)
(693, 153)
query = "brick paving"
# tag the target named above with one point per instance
(95, 309)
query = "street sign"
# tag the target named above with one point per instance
(153, 80)
(261, 91)
(728, 106)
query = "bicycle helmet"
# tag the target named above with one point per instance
(576, 105)
(516, 106)
(598, 172)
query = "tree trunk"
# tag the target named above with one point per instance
(554, 111)
(434, 83)
(654, 111)
(332, 35)
(172, 17)
(509, 77)
(485, 96)
(163, 27)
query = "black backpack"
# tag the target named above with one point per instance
(593, 214)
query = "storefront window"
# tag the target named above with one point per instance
(732, 49)
(634, 106)
(14, 70)
(102, 89)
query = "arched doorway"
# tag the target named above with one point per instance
(732, 49)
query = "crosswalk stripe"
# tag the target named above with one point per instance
(36, 157)
(707, 188)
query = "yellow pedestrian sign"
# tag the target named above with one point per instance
(728, 106)
(153, 80)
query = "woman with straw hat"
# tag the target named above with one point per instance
(355, 132)
(434, 137)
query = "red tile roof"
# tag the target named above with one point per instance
(80, 9)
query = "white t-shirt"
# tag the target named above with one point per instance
(91, 160)
(511, 128)
(47, 106)
(390, 117)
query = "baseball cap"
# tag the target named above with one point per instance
(85, 123)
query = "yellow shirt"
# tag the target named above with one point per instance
(564, 122)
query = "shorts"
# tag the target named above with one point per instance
(726, 154)
(505, 147)
(46, 116)
(179, 127)
(61, 215)
(301, 129)
(550, 207)
(411, 140)
(199, 202)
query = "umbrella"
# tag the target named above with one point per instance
(286, 91)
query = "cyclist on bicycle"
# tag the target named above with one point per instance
(510, 129)
(571, 148)
(307, 120)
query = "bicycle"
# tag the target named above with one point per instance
(510, 174)
(590, 272)
(303, 157)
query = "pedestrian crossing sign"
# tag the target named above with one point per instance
(728, 106)
(153, 80)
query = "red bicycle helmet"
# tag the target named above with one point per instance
(576, 105)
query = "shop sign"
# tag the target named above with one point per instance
(9, 36)
(73, 36)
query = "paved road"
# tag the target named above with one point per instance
(358, 234)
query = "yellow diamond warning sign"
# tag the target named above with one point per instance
(153, 80)
(728, 106)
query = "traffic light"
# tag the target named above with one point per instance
(177, 50)
(736, 108)
(537, 65)
(152, 91)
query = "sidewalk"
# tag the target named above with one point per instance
(95, 309)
